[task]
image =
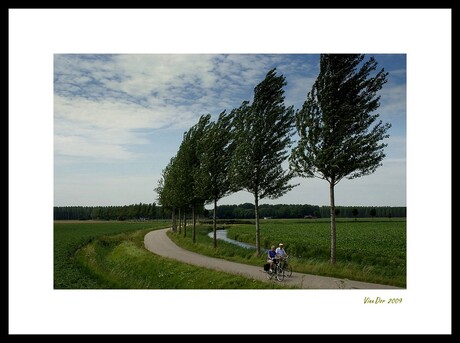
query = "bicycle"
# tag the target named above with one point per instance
(286, 266)
(278, 272)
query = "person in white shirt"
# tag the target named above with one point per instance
(280, 250)
(281, 253)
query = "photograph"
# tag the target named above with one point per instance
(215, 160)
(217, 171)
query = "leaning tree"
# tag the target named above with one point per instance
(214, 151)
(262, 134)
(169, 189)
(339, 135)
(188, 159)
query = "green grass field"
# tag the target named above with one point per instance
(111, 255)
(69, 237)
(371, 250)
(101, 255)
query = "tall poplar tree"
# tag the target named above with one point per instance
(189, 161)
(339, 134)
(262, 134)
(169, 189)
(215, 149)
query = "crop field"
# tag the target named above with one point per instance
(373, 246)
(358, 241)
(371, 250)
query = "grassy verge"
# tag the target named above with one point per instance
(112, 256)
(69, 237)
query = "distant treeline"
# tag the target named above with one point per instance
(128, 212)
(246, 211)
(243, 211)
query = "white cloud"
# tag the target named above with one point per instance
(147, 74)
(298, 87)
(103, 129)
(76, 146)
(393, 101)
(396, 148)
(101, 100)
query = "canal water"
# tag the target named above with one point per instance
(222, 235)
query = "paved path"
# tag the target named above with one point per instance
(159, 243)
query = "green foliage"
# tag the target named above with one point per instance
(214, 150)
(296, 211)
(373, 212)
(179, 187)
(129, 212)
(168, 195)
(189, 157)
(241, 211)
(262, 134)
(339, 135)
(189, 160)
(365, 211)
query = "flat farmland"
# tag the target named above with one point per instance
(373, 250)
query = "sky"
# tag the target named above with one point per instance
(119, 118)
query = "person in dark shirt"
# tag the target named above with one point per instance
(271, 258)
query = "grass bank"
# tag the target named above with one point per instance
(111, 255)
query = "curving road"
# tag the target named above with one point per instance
(159, 243)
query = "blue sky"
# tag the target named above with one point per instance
(118, 119)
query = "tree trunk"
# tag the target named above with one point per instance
(194, 223)
(180, 220)
(214, 224)
(256, 201)
(185, 223)
(333, 227)
(174, 224)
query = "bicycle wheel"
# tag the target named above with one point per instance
(270, 274)
(288, 270)
(279, 273)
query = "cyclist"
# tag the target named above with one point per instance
(271, 258)
(281, 253)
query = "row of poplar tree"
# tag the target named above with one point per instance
(339, 137)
